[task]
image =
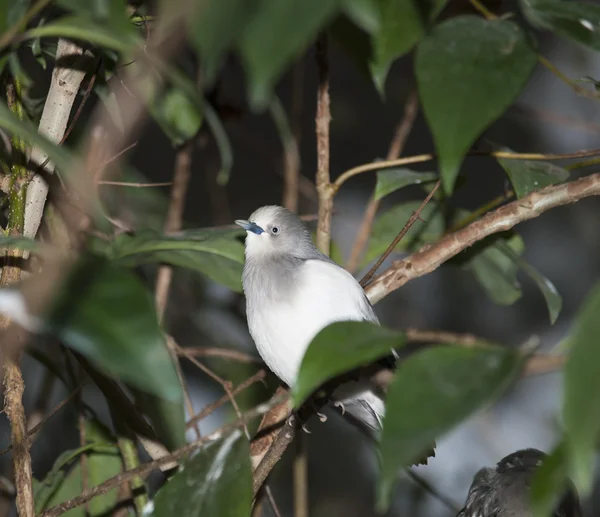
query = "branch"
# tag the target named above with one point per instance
(411, 108)
(322, 120)
(147, 468)
(431, 256)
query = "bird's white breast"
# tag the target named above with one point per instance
(323, 293)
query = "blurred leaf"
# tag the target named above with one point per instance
(527, 176)
(109, 99)
(388, 225)
(403, 24)
(278, 33)
(178, 117)
(167, 418)
(216, 481)
(390, 180)
(496, 270)
(577, 21)
(213, 252)
(11, 13)
(366, 14)
(551, 295)
(581, 400)
(223, 144)
(339, 348)
(109, 12)
(82, 28)
(433, 391)
(548, 483)
(105, 313)
(469, 70)
(22, 243)
(214, 28)
(28, 132)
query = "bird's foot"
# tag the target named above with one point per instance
(305, 429)
(341, 406)
(322, 417)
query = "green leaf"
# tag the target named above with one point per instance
(215, 253)
(548, 483)
(390, 180)
(21, 243)
(277, 33)
(167, 418)
(82, 28)
(214, 28)
(339, 348)
(496, 270)
(108, 12)
(177, 115)
(365, 14)
(355, 42)
(469, 70)
(216, 481)
(105, 313)
(433, 391)
(528, 176)
(388, 225)
(403, 24)
(28, 132)
(11, 13)
(581, 401)
(577, 21)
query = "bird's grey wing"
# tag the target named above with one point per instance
(481, 499)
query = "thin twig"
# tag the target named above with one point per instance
(322, 121)
(411, 108)
(431, 256)
(225, 353)
(420, 158)
(210, 408)
(135, 185)
(147, 468)
(428, 487)
(301, 477)
(411, 220)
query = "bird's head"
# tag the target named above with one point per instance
(273, 230)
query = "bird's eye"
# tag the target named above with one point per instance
(275, 230)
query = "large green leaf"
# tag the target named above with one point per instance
(105, 313)
(528, 176)
(403, 24)
(216, 253)
(548, 483)
(388, 225)
(214, 28)
(469, 70)
(216, 481)
(277, 33)
(577, 21)
(390, 180)
(581, 401)
(339, 348)
(433, 391)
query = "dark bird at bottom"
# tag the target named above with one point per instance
(504, 491)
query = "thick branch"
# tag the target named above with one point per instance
(431, 256)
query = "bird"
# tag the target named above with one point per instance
(292, 292)
(504, 491)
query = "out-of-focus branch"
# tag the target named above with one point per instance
(431, 256)
(322, 121)
(66, 80)
(411, 108)
(301, 477)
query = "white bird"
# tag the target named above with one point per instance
(292, 292)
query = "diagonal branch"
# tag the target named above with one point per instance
(432, 256)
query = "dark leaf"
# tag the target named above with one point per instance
(403, 24)
(469, 70)
(340, 348)
(216, 481)
(548, 483)
(177, 115)
(215, 253)
(105, 313)
(581, 400)
(107, 12)
(527, 176)
(355, 42)
(496, 270)
(11, 13)
(577, 21)
(390, 180)
(366, 14)
(388, 225)
(277, 33)
(431, 393)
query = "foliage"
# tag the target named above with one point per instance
(469, 68)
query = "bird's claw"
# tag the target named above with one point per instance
(341, 406)
(322, 417)
(305, 429)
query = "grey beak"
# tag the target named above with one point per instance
(249, 227)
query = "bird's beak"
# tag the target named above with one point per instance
(249, 227)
